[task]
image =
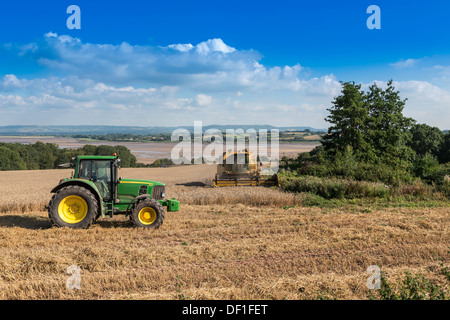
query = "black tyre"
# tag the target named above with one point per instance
(148, 213)
(73, 207)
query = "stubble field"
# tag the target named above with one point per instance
(227, 243)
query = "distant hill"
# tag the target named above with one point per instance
(28, 130)
(258, 127)
(88, 129)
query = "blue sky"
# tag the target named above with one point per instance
(243, 62)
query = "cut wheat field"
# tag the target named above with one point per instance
(224, 243)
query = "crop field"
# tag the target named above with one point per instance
(148, 152)
(224, 243)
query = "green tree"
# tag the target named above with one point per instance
(444, 150)
(389, 129)
(370, 124)
(348, 117)
(89, 149)
(44, 154)
(426, 139)
(10, 160)
(16, 156)
(127, 158)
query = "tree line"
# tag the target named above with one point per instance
(369, 139)
(38, 156)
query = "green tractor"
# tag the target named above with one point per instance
(95, 191)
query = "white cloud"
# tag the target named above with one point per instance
(13, 100)
(51, 35)
(181, 47)
(213, 45)
(204, 48)
(203, 100)
(211, 65)
(10, 80)
(408, 63)
(180, 83)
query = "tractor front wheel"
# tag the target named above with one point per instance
(148, 213)
(73, 207)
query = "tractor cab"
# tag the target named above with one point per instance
(102, 172)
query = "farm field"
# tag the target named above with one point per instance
(224, 243)
(147, 152)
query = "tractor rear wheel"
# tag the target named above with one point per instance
(73, 207)
(148, 213)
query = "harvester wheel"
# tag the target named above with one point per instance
(148, 213)
(73, 207)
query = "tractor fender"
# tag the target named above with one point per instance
(172, 204)
(82, 183)
(136, 200)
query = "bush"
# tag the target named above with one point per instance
(416, 189)
(318, 189)
(346, 165)
(425, 166)
(412, 287)
(163, 162)
(445, 188)
(332, 188)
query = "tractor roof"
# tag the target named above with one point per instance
(96, 157)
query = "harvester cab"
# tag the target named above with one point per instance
(242, 168)
(95, 190)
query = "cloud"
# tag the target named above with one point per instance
(89, 83)
(210, 65)
(203, 100)
(408, 63)
(181, 47)
(443, 71)
(204, 48)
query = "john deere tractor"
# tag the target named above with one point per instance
(95, 190)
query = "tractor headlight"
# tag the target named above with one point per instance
(163, 195)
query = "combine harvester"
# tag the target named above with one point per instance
(235, 173)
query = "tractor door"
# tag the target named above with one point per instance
(100, 172)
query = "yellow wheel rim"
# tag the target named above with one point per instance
(147, 215)
(72, 209)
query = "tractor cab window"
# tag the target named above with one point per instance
(100, 172)
(85, 170)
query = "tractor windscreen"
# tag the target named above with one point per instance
(100, 172)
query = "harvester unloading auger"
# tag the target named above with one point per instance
(236, 173)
